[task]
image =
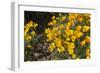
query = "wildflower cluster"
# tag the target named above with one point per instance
(56, 36)
(28, 35)
(29, 32)
(70, 34)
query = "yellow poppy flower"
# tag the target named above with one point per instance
(61, 26)
(47, 30)
(87, 52)
(73, 38)
(26, 30)
(28, 37)
(83, 43)
(35, 25)
(71, 52)
(29, 46)
(87, 39)
(71, 17)
(67, 39)
(50, 23)
(86, 28)
(61, 49)
(63, 18)
(54, 22)
(78, 28)
(80, 18)
(53, 17)
(74, 56)
(69, 32)
(51, 47)
(68, 25)
(87, 57)
(78, 34)
(70, 45)
(66, 42)
(58, 43)
(33, 33)
(49, 36)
